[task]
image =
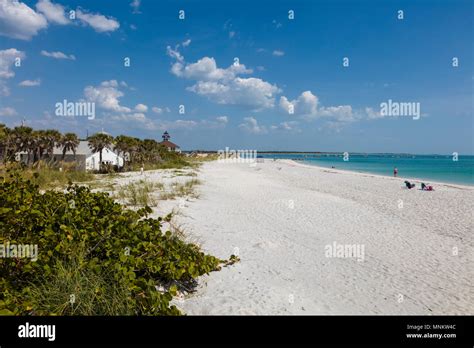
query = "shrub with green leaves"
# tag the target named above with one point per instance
(116, 252)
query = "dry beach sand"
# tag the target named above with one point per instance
(416, 250)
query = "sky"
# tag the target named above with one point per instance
(261, 75)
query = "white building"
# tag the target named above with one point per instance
(108, 157)
(87, 159)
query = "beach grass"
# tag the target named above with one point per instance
(50, 178)
(139, 193)
(186, 189)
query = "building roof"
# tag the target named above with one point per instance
(169, 144)
(82, 149)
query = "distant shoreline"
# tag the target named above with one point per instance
(338, 153)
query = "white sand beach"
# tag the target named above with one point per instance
(280, 216)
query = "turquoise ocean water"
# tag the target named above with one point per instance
(440, 168)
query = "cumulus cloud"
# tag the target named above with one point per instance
(224, 85)
(206, 69)
(54, 13)
(252, 92)
(18, 21)
(222, 119)
(98, 22)
(250, 125)
(30, 83)
(8, 111)
(106, 95)
(7, 61)
(141, 108)
(57, 55)
(307, 106)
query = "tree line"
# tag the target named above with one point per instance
(39, 146)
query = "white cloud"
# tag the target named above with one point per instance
(231, 34)
(224, 86)
(98, 22)
(251, 92)
(141, 108)
(307, 106)
(173, 53)
(251, 125)
(187, 43)
(7, 61)
(184, 124)
(372, 114)
(53, 12)
(30, 83)
(206, 69)
(106, 95)
(158, 110)
(135, 4)
(8, 111)
(18, 21)
(222, 119)
(57, 55)
(278, 53)
(289, 126)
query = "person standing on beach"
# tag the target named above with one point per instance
(395, 172)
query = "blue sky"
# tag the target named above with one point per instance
(282, 62)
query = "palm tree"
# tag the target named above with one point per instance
(134, 147)
(69, 142)
(98, 142)
(40, 144)
(5, 141)
(52, 140)
(122, 146)
(20, 138)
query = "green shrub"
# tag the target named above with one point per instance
(101, 240)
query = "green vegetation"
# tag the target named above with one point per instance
(138, 193)
(47, 177)
(186, 189)
(109, 258)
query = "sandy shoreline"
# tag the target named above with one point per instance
(411, 179)
(281, 216)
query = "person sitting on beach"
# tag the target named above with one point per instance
(409, 185)
(426, 187)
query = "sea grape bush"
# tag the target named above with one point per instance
(98, 236)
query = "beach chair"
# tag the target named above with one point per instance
(409, 185)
